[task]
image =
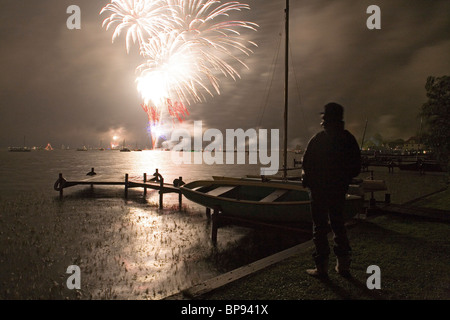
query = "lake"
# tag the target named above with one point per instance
(125, 248)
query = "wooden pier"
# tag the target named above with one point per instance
(155, 183)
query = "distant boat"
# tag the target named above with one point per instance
(124, 149)
(137, 148)
(82, 149)
(19, 149)
(101, 148)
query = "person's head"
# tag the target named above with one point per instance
(332, 116)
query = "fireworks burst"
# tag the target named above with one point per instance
(186, 44)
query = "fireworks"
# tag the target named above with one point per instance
(187, 45)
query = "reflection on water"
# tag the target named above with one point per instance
(126, 249)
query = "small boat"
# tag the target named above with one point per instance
(19, 149)
(124, 149)
(275, 202)
(431, 166)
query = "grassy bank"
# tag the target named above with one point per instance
(412, 253)
(440, 200)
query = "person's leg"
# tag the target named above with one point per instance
(341, 248)
(319, 213)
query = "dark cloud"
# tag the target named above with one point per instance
(74, 86)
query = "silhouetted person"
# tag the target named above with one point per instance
(365, 163)
(420, 166)
(332, 158)
(391, 165)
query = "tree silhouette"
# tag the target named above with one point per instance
(436, 116)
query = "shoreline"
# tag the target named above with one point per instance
(111, 238)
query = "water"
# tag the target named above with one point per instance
(125, 248)
(22, 172)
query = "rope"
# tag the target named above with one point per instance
(298, 90)
(270, 82)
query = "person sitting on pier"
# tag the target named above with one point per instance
(332, 158)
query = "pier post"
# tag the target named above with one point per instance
(180, 197)
(387, 198)
(372, 201)
(208, 213)
(145, 180)
(61, 190)
(161, 193)
(214, 226)
(158, 177)
(126, 185)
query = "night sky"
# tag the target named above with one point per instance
(76, 87)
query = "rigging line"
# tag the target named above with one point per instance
(298, 88)
(270, 82)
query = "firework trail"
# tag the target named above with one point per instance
(187, 45)
(143, 19)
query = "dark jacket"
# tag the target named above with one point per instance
(332, 158)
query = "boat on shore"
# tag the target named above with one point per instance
(276, 202)
(425, 165)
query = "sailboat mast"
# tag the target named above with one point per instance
(286, 88)
(364, 135)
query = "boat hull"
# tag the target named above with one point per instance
(251, 200)
(426, 166)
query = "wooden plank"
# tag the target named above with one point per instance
(101, 183)
(437, 214)
(239, 273)
(217, 192)
(244, 271)
(274, 195)
(167, 188)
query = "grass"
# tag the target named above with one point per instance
(412, 255)
(439, 201)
